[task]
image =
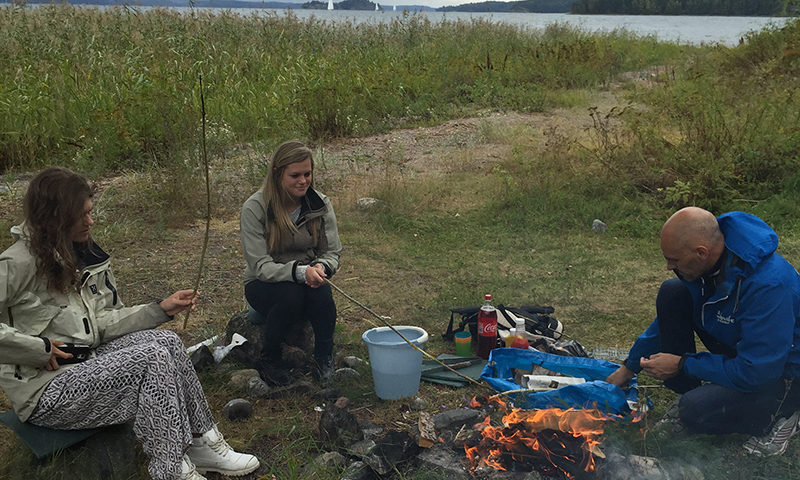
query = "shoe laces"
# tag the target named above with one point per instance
(220, 446)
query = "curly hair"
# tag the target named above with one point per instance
(53, 204)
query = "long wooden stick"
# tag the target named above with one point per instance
(208, 202)
(384, 322)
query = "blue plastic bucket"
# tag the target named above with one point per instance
(396, 366)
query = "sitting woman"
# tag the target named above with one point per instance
(56, 287)
(291, 245)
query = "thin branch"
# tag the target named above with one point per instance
(383, 321)
(208, 202)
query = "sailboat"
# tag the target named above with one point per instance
(330, 4)
(376, 6)
(394, 7)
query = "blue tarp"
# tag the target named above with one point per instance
(595, 393)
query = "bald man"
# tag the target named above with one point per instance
(742, 300)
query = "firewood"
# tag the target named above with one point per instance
(427, 431)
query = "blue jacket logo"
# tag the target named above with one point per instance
(723, 319)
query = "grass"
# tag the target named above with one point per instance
(499, 203)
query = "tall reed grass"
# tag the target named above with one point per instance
(103, 90)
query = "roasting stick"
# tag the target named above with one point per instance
(447, 367)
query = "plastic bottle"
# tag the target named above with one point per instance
(487, 328)
(517, 339)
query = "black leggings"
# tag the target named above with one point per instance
(284, 304)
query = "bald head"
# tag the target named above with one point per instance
(692, 242)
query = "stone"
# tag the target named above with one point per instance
(300, 335)
(202, 358)
(342, 402)
(419, 404)
(327, 393)
(396, 447)
(599, 227)
(345, 374)
(370, 430)
(299, 387)
(339, 428)
(358, 471)
(367, 203)
(240, 379)
(444, 461)
(377, 464)
(258, 388)
(237, 409)
(362, 448)
(330, 459)
(455, 419)
(353, 362)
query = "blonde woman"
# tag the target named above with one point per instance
(291, 246)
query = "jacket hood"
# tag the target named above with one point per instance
(18, 231)
(747, 236)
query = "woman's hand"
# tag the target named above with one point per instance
(55, 354)
(179, 301)
(315, 275)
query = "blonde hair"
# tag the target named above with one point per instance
(277, 198)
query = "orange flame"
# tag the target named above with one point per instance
(542, 436)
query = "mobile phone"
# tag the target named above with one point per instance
(79, 353)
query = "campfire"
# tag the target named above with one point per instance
(554, 442)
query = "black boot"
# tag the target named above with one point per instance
(324, 370)
(274, 373)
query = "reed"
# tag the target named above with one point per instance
(109, 90)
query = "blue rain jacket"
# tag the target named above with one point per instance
(755, 310)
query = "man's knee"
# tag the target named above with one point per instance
(673, 293)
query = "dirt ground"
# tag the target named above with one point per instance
(150, 267)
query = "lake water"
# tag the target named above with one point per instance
(682, 29)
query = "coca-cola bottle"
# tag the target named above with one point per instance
(487, 328)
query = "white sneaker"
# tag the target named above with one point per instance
(211, 453)
(188, 470)
(776, 441)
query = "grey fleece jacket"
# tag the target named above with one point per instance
(299, 250)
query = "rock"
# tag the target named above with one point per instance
(240, 379)
(294, 357)
(370, 430)
(358, 471)
(377, 464)
(342, 402)
(300, 335)
(258, 388)
(345, 374)
(327, 393)
(455, 419)
(367, 203)
(114, 453)
(300, 387)
(419, 404)
(362, 448)
(444, 461)
(599, 227)
(352, 362)
(395, 448)
(237, 409)
(339, 428)
(202, 358)
(330, 459)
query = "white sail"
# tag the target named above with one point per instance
(376, 6)
(330, 4)
(394, 7)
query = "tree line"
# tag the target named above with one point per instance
(687, 7)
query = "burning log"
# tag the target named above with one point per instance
(553, 442)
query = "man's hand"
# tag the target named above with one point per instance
(315, 275)
(621, 376)
(55, 354)
(661, 365)
(179, 301)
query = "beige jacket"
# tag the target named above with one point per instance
(30, 312)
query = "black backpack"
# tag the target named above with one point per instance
(538, 320)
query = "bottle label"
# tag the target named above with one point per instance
(487, 328)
